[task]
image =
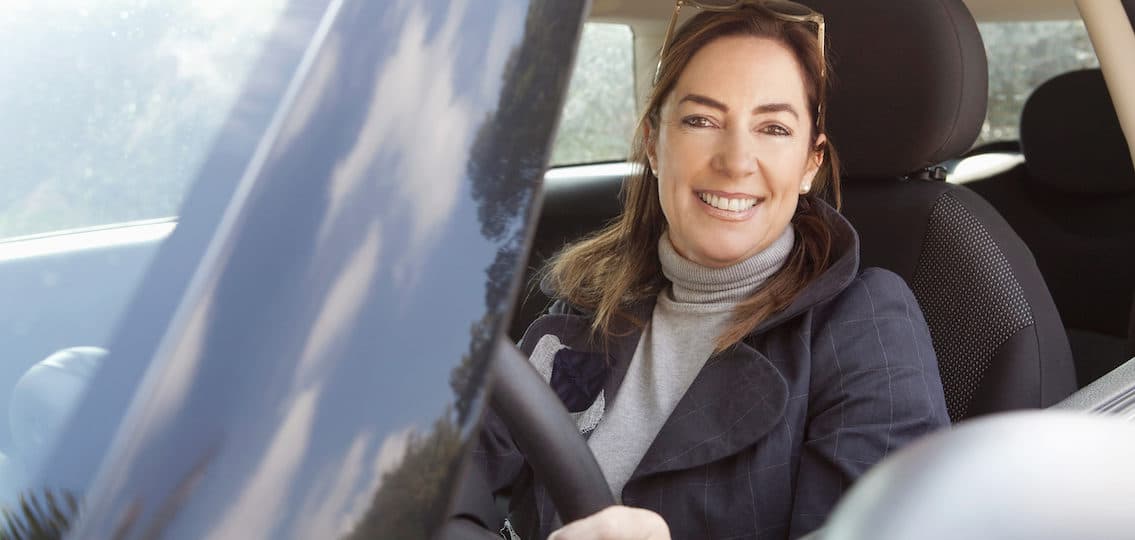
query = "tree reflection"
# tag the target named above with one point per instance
(508, 158)
(40, 517)
(411, 496)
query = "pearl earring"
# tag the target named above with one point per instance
(804, 188)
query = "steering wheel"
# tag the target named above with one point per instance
(547, 436)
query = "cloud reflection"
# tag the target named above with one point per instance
(263, 500)
(348, 295)
(423, 125)
(342, 494)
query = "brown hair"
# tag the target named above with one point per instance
(618, 266)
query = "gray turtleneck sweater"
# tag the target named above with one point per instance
(679, 338)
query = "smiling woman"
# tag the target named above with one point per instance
(730, 365)
(719, 223)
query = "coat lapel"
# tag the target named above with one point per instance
(574, 332)
(736, 399)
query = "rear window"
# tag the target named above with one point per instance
(599, 113)
(1022, 55)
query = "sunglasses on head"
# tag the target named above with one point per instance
(784, 10)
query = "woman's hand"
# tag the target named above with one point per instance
(616, 523)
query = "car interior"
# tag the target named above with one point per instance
(1026, 273)
(998, 264)
(986, 259)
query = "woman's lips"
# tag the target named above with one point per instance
(716, 204)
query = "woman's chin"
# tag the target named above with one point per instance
(725, 249)
(721, 258)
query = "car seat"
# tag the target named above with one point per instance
(1073, 203)
(909, 93)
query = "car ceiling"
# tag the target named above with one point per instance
(654, 11)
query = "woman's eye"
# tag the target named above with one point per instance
(774, 129)
(697, 121)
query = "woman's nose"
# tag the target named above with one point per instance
(737, 154)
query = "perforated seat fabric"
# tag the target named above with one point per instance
(910, 92)
(999, 340)
(973, 318)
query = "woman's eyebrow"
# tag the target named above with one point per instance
(703, 100)
(759, 109)
(775, 108)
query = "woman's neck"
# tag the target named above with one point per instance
(696, 284)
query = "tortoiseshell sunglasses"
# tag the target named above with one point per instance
(784, 10)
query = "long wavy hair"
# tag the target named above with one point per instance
(617, 267)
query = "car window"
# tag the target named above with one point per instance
(1022, 55)
(109, 107)
(599, 114)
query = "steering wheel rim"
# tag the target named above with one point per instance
(547, 436)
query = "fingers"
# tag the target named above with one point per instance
(616, 523)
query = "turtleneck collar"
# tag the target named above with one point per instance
(692, 283)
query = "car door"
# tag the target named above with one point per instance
(305, 355)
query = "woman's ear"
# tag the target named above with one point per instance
(818, 153)
(815, 160)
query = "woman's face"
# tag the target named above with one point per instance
(733, 149)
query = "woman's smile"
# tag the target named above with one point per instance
(729, 206)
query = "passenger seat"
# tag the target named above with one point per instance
(1073, 203)
(910, 91)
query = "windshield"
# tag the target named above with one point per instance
(111, 108)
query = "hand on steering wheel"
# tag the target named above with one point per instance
(616, 523)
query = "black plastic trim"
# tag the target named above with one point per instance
(1112, 394)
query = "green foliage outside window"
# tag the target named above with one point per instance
(1022, 55)
(599, 115)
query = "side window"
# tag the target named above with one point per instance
(110, 107)
(1022, 55)
(599, 114)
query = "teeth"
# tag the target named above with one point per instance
(732, 205)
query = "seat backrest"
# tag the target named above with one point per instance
(576, 203)
(1073, 203)
(910, 92)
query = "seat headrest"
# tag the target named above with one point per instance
(910, 83)
(1071, 137)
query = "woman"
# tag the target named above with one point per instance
(732, 369)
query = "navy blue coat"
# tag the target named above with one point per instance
(772, 431)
